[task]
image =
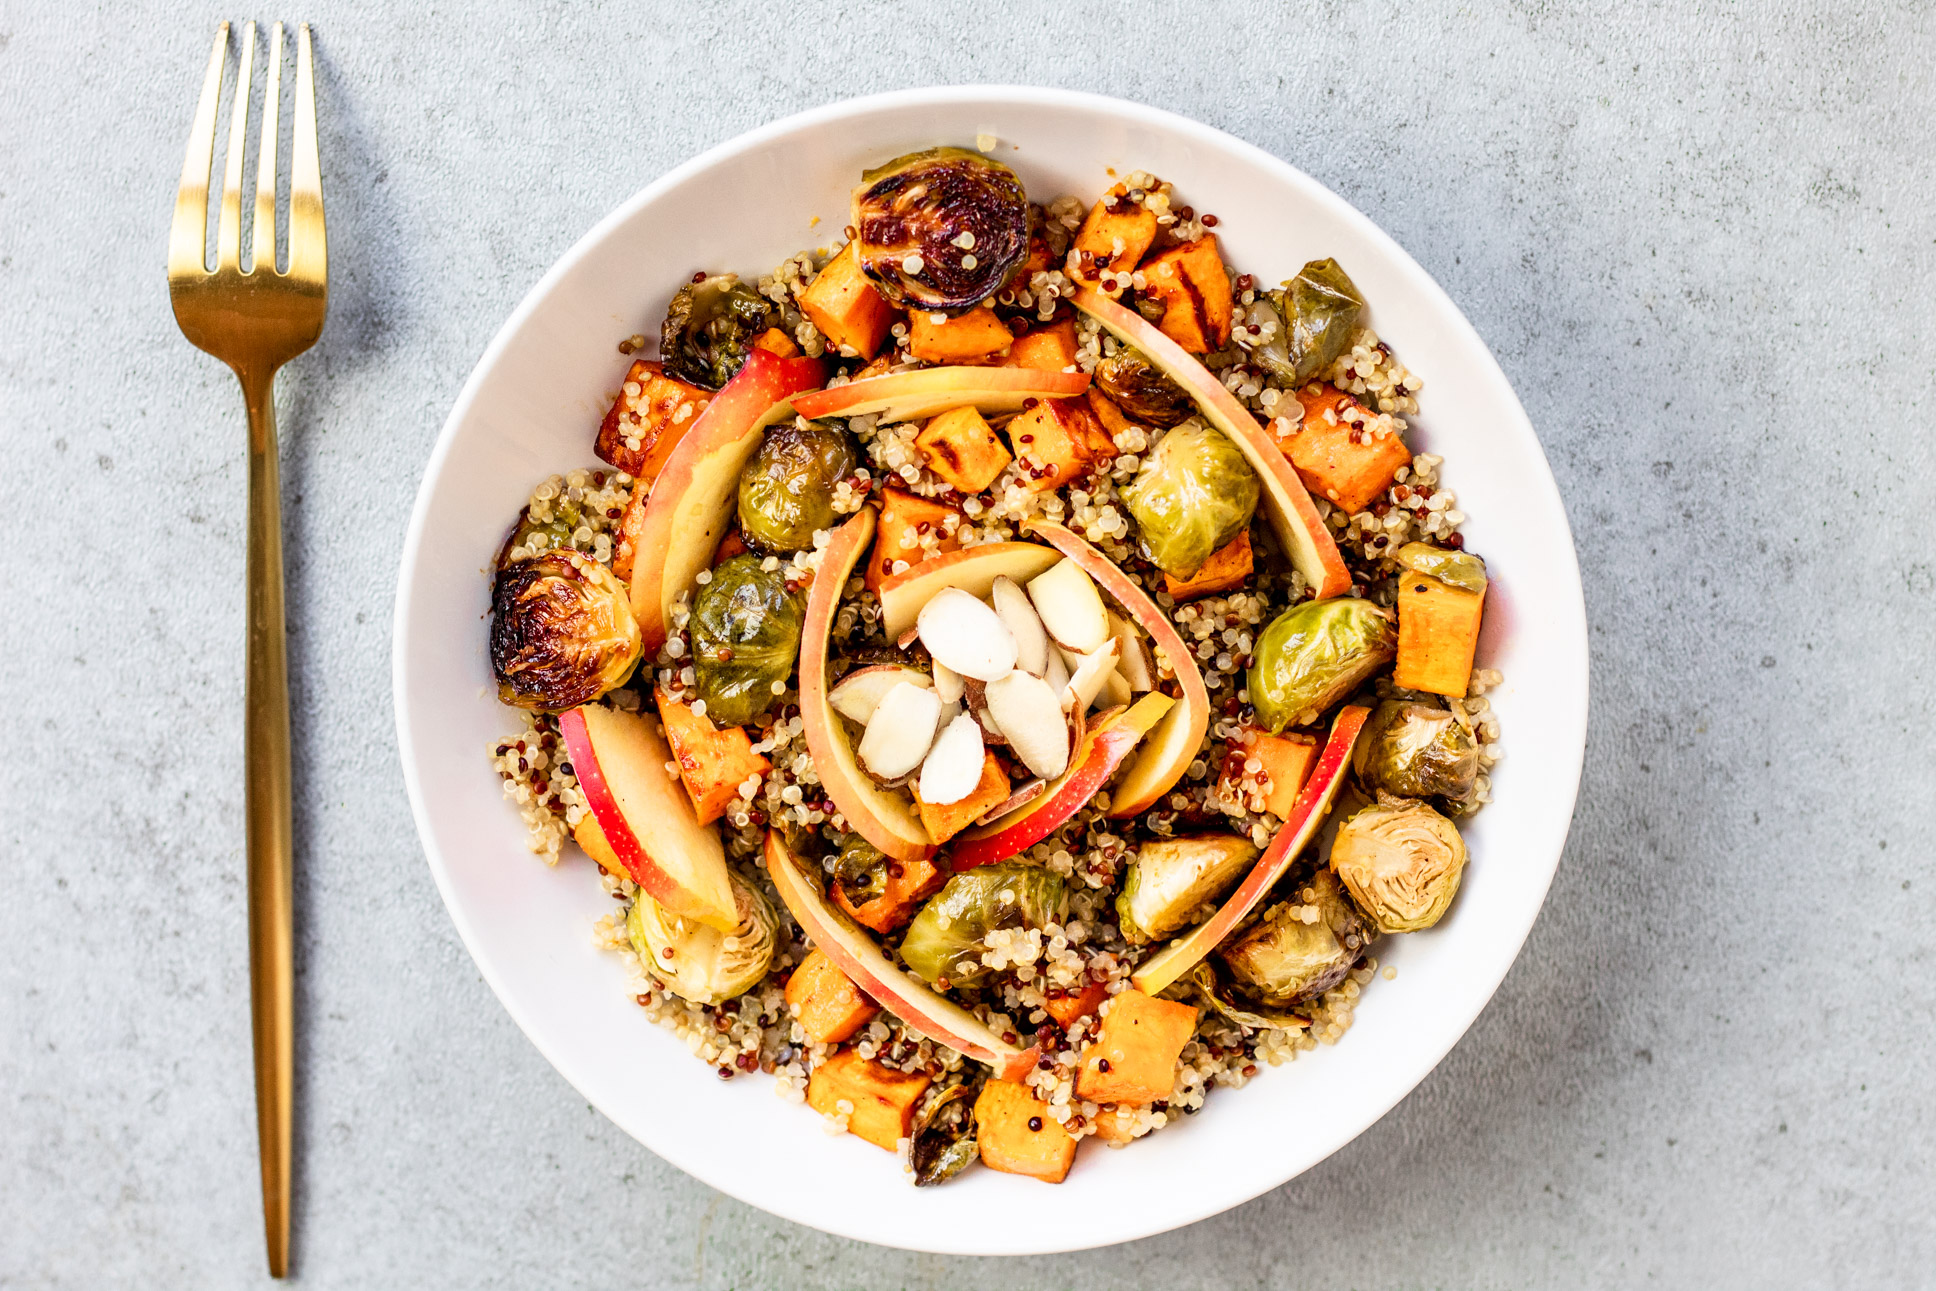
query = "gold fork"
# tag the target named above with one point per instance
(255, 321)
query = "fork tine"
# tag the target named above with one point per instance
(308, 247)
(228, 240)
(265, 173)
(188, 236)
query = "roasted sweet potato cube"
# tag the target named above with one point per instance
(963, 449)
(1336, 452)
(977, 336)
(1066, 1008)
(591, 836)
(1134, 1056)
(651, 415)
(733, 544)
(775, 341)
(1438, 629)
(881, 1099)
(1194, 290)
(945, 820)
(1286, 764)
(825, 1001)
(881, 365)
(1110, 414)
(1059, 440)
(1018, 1136)
(1050, 347)
(1229, 567)
(1114, 237)
(713, 763)
(1116, 1125)
(909, 883)
(906, 519)
(843, 304)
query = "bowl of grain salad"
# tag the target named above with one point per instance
(984, 677)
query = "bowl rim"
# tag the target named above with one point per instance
(1569, 618)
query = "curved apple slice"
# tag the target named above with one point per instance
(1296, 520)
(910, 396)
(904, 995)
(692, 500)
(647, 818)
(882, 817)
(1171, 747)
(1300, 827)
(1104, 746)
(972, 569)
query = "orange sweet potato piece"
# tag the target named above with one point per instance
(713, 763)
(977, 336)
(775, 341)
(1229, 566)
(898, 535)
(846, 308)
(1018, 1136)
(1336, 458)
(1113, 1125)
(1048, 348)
(1287, 762)
(651, 415)
(909, 883)
(1438, 629)
(1114, 236)
(963, 449)
(883, 1099)
(591, 836)
(1059, 440)
(1194, 290)
(1110, 414)
(1134, 1056)
(825, 1001)
(1065, 1009)
(733, 544)
(945, 820)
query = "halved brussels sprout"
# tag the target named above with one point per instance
(1143, 391)
(1459, 569)
(1206, 988)
(1283, 960)
(1171, 879)
(562, 631)
(1401, 861)
(1416, 751)
(860, 868)
(941, 230)
(1322, 310)
(1314, 654)
(703, 964)
(947, 933)
(1193, 493)
(944, 1136)
(786, 489)
(745, 628)
(710, 329)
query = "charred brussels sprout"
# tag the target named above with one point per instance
(1287, 958)
(710, 329)
(941, 230)
(1321, 309)
(745, 629)
(860, 869)
(786, 491)
(1207, 989)
(699, 963)
(1194, 493)
(1460, 569)
(562, 631)
(1172, 878)
(1416, 751)
(1314, 654)
(1401, 861)
(1142, 390)
(944, 1136)
(945, 938)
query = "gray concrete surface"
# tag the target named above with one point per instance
(1700, 239)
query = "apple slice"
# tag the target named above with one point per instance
(911, 396)
(904, 995)
(647, 818)
(859, 693)
(885, 819)
(1300, 827)
(1031, 639)
(1167, 753)
(1104, 746)
(1292, 515)
(692, 501)
(972, 569)
(1071, 607)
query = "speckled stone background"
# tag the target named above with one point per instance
(1700, 239)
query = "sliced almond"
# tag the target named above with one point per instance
(1133, 656)
(947, 682)
(900, 732)
(1086, 677)
(1115, 692)
(1022, 797)
(953, 765)
(1029, 715)
(1058, 674)
(858, 694)
(1070, 606)
(961, 632)
(908, 638)
(975, 695)
(1031, 639)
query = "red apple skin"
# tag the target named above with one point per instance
(1306, 818)
(692, 499)
(1292, 514)
(926, 391)
(905, 996)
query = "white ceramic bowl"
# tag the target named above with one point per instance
(530, 409)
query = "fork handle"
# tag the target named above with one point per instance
(266, 763)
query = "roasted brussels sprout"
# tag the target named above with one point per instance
(1143, 391)
(786, 490)
(1460, 569)
(562, 631)
(860, 869)
(941, 230)
(703, 964)
(1401, 861)
(1314, 654)
(1322, 310)
(745, 628)
(1207, 989)
(944, 1136)
(1194, 493)
(945, 938)
(1171, 879)
(1287, 958)
(1416, 751)
(710, 329)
